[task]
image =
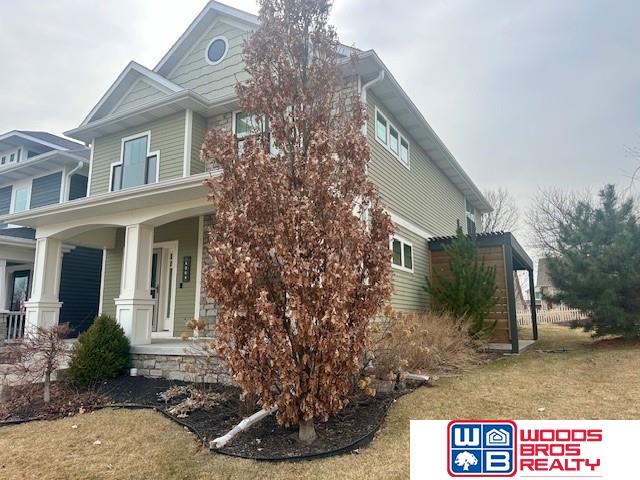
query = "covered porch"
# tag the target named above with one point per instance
(152, 240)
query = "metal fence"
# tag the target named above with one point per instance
(558, 314)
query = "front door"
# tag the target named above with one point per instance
(19, 289)
(163, 280)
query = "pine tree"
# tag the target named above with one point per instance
(468, 289)
(597, 269)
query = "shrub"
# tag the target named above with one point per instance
(468, 289)
(101, 352)
(430, 343)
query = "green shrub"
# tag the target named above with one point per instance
(101, 352)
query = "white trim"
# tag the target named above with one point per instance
(410, 226)
(93, 147)
(196, 311)
(387, 145)
(149, 154)
(19, 186)
(101, 299)
(141, 70)
(403, 242)
(224, 55)
(188, 133)
(169, 246)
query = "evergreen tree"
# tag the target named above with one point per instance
(597, 269)
(468, 289)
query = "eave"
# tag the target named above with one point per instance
(42, 164)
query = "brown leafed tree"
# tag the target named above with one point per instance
(300, 248)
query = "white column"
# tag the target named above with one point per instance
(43, 308)
(134, 306)
(4, 286)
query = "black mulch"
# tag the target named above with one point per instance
(348, 430)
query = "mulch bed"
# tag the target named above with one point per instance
(346, 431)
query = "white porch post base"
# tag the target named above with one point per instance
(134, 316)
(41, 314)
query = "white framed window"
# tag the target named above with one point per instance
(389, 136)
(402, 250)
(137, 166)
(21, 197)
(216, 50)
(470, 213)
(245, 124)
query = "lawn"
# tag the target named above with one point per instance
(589, 381)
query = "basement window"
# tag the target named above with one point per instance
(402, 258)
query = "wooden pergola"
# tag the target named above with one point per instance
(502, 251)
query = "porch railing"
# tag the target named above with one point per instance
(15, 325)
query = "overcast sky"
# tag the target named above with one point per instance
(524, 93)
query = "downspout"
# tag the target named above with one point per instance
(67, 186)
(363, 94)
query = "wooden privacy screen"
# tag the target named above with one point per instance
(493, 256)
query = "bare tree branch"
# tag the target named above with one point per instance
(505, 214)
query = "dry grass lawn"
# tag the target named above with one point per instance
(586, 382)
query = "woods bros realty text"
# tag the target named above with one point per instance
(521, 449)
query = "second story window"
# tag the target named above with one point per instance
(245, 124)
(137, 166)
(471, 218)
(21, 199)
(388, 135)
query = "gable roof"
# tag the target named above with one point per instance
(132, 72)
(199, 27)
(15, 138)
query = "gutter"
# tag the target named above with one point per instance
(67, 181)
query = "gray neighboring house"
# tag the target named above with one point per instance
(544, 285)
(39, 169)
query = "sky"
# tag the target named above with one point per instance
(526, 94)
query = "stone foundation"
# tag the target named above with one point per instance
(187, 368)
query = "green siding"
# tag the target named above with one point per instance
(141, 93)
(213, 81)
(186, 233)
(199, 130)
(408, 288)
(422, 195)
(112, 274)
(167, 137)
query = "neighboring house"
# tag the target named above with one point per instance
(39, 170)
(146, 205)
(544, 285)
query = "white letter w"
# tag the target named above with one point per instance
(471, 437)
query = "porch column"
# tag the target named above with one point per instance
(134, 306)
(43, 308)
(3, 284)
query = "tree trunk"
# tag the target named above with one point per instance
(47, 387)
(307, 432)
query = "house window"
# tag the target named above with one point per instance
(137, 167)
(3, 160)
(12, 157)
(404, 151)
(21, 199)
(394, 140)
(217, 50)
(245, 124)
(381, 128)
(402, 258)
(388, 135)
(471, 218)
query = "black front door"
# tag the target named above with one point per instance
(19, 289)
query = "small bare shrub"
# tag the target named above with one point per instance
(430, 343)
(40, 353)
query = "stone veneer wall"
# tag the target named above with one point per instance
(178, 367)
(208, 309)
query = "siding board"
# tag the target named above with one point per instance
(141, 93)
